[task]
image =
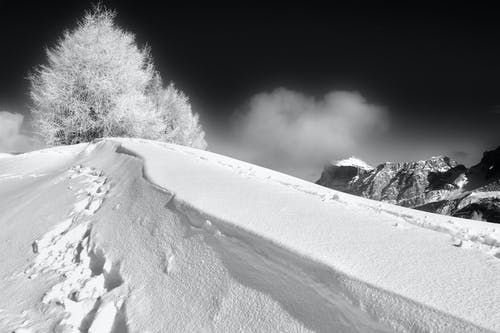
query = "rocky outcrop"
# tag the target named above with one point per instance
(340, 177)
(439, 185)
(486, 172)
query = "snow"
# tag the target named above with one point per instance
(485, 195)
(4, 155)
(129, 235)
(355, 162)
(461, 181)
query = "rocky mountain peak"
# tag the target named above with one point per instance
(487, 171)
(439, 184)
(354, 162)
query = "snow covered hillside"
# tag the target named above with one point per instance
(129, 235)
(2, 155)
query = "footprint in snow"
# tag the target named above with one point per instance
(169, 262)
(456, 242)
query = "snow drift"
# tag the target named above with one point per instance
(128, 235)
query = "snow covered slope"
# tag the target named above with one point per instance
(128, 235)
(2, 155)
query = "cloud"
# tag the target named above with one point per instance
(292, 132)
(11, 138)
(460, 155)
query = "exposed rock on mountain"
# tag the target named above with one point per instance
(439, 185)
(486, 173)
(341, 175)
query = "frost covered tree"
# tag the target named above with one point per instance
(97, 82)
(177, 121)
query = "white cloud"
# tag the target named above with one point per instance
(291, 132)
(11, 138)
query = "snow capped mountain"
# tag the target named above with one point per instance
(354, 162)
(406, 184)
(438, 184)
(129, 235)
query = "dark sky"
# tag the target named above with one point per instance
(435, 68)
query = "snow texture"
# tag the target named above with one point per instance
(129, 235)
(4, 155)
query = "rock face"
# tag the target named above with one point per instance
(439, 185)
(340, 177)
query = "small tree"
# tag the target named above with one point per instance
(98, 83)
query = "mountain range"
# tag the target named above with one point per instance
(439, 184)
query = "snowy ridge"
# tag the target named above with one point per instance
(484, 236)
(463, 229)
(220, 245)
(5, 155)
(383, 311)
